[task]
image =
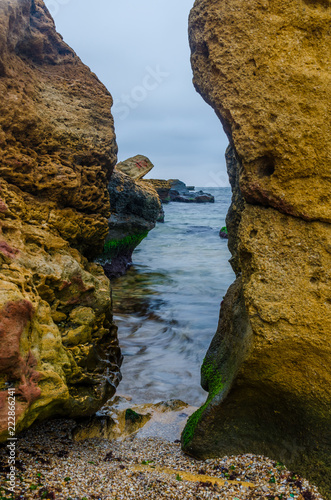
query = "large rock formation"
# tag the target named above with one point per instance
(183, 194)
(263, 66)
(58, 343)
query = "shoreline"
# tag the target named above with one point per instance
(51, 465)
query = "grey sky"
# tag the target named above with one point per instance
(140, 51)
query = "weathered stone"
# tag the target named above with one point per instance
(176, 190)
(233, 216)
(162, 188)
(263, 68)
(135, 207)
(59, 347)
(272, 349)
(161, 216)
(136, 167)
(119, 419)
(177, 185)
(56, 133)
(62, 347)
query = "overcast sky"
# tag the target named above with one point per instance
(139, 50)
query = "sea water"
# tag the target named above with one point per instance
(167, 305)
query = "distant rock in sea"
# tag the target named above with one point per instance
(224, 233)
(176, 190)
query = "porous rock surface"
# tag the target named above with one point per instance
(264, 67)
(59, 347)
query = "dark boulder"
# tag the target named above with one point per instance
(135, 208)
(181, 193)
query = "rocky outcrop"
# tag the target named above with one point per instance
(176, 190)
(264, 69)
(136, 167)
(135, 207)
(181, 193)
(162, 188)
(224, 233)
(59, 347)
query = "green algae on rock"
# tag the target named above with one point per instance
(113, 248)
(213, 381)
(221, 362)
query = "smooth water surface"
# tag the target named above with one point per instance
(167, 306)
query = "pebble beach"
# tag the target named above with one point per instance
(52, 465)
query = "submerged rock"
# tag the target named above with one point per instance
(135, 207)
(267, 370)
(224, 233)
(119, 419)
(59, 347)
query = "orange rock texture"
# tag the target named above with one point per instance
(59, 346)
(264, 66)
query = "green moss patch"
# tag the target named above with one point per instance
(132, 416)
(213, 378)
(114, 248)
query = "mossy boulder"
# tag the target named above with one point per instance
(135, 208)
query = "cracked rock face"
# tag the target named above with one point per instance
(59, 345)
(264, 67)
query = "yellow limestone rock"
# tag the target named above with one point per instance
(58, 344)
(264, 66)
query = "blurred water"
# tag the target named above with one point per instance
(167, 306)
